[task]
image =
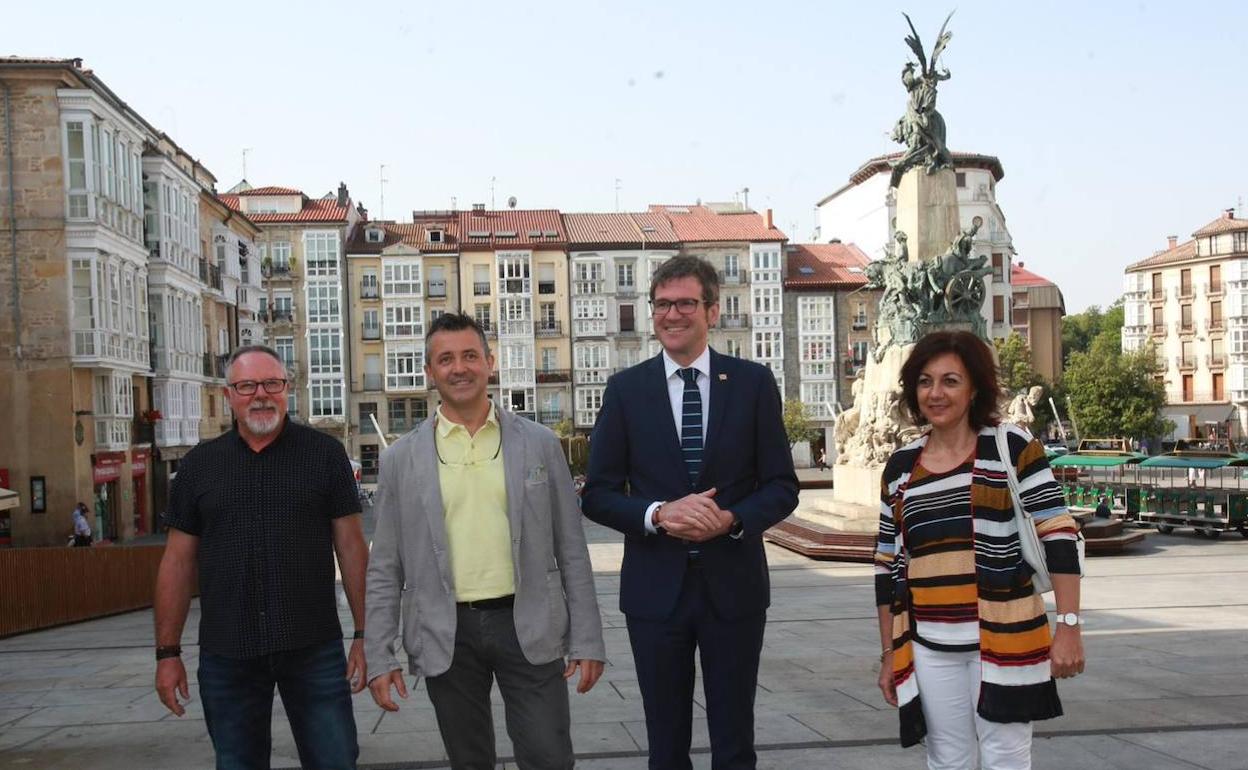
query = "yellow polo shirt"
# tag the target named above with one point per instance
(474, 496)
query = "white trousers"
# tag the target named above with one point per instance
(949, 690)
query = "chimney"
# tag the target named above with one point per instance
(767, 219)
(1172, 241)
(342, 194)
(1020, 264)
(363, 212)
(1230, 213)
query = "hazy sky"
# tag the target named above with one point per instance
(1117, 123)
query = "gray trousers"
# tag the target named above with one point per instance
(535, 697)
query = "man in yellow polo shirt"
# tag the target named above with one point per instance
(480, 555)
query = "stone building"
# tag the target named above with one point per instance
(74, 332)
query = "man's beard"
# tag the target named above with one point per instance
(262, 423)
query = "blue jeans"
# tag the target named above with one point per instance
(238, 706)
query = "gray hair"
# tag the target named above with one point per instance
(243, 350)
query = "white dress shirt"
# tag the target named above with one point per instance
(676, 394)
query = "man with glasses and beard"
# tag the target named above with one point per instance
(479, 547)
(261, 511)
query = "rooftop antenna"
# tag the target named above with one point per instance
(381, 191)
(245, 151)
(453, 204)
(617, 195)
(745, 191)
(492, 180)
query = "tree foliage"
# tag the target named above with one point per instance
(1092, 327)
(1114, 393)
(1014, 359)
(797, 424)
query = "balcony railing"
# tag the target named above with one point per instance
(488, 327)
(584, 327)
(214, 366)
(373, 381)
(588, 287)
(860, 323)
(436, 289)
(1214, 288)
(737, 278)
(549, 416)
(1157, 294)
(1185, 327)
(480, 288)
(514, 286)
(625, 290)
(370, 332)
(1185, 362)
(590, 376)
(627, 331)
(516, 328)
(370, 292)
(1187, 292)
(736, 321)
(1159, 330)
(548, 376)
(545, 287)
(1215, 361)
(547, 327)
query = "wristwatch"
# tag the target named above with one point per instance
(1069, 619)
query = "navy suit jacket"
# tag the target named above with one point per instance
(635, 460)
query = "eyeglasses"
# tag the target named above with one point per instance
(473, 463)
(248, 387)
(660, 307)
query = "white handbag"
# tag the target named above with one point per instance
(1028, 539)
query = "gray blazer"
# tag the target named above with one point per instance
(409, 572)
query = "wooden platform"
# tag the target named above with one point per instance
(820, 542)
(1101, 536)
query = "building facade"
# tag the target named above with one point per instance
(828, 318)
(301, 247)
(513, 270)
(1037, 308)
(612, 258)
(75, 343)
(864, 210)
(1190, 302)
(399, 278)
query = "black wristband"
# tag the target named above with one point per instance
(169, 651)
(358, 634)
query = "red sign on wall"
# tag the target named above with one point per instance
(138, 462)
(107, 467)
(4, 478)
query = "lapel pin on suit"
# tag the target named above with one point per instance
(723, 377)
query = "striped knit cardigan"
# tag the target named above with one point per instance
(1014, 637)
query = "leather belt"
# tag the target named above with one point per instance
(499, 603)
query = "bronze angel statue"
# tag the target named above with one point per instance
(922, 129)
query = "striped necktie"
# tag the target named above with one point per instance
(691, 425)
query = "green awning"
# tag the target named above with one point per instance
(1196, 461)
(1077, 460)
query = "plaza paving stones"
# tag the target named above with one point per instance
(1166, 685)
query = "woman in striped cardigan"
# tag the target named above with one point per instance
(967, 652)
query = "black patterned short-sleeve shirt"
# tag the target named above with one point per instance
(264, 523)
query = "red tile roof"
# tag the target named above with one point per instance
(1021, 278)
(825, 266)
(700, 224)
(323, 210)
(1180, 253)
(414, 234)
(1227, 223)
(511, 228)
(623, 230)
(271, 190)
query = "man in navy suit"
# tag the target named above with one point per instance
(692, 487)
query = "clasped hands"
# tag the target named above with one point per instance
(695, 517)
